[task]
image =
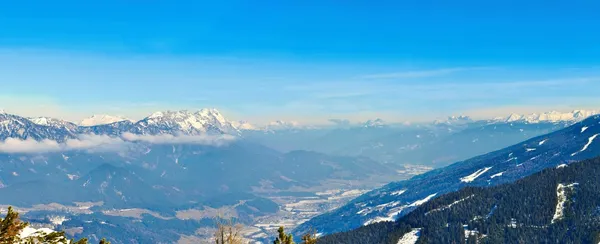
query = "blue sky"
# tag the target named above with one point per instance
(299, 60)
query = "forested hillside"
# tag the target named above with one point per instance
(572, 144)
(557, 205)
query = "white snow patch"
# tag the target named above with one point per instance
(410, 237)
(585, 147)
(386, 205)
(497, 175)
(391, 215)
(561, 195)
(561, 166)
(378, 219)
(472, 177)
(397, 193)
(57, 220)
(363, 211)
(449, 205)
(422, 201)
(583, 129)
(529, 149)
(542, 142)
(30, 231)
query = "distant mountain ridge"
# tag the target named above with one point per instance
(552, 116)
(205, 121)
(102, 119)
(188, 120)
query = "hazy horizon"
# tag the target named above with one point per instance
(397, 61)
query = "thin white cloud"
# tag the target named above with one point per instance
(13, 145)
(340, 122)
(103, 143)
(95, 143)
(417, 73)
(212, 140)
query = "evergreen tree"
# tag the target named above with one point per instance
(283, 238)
(309, 238)
(10, 227)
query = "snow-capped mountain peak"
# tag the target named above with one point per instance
(47, 121)
(552, 116)
(374, 123)
(101, 119)
(243, 125)
(513, 117)
(213, 116)
(454, 120)
(2, 111)
(202, 121)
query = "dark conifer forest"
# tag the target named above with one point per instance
(526, 211)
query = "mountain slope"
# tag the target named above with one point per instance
(557, 205)
(507, 165)
(17, 127)
(185, 172)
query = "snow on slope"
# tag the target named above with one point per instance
(410, 237)
(422, 201)
(585, 147)
(472, 177)
(30, 231)
(42, 121)
(542, 142)
(449, 205)
(561, 196)
(243, 125)
(496, 175)
(391, 215)
(101, 120)
(397, 193)
(202, 121)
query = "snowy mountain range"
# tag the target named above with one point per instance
(552, 116)
(211, 120)
(205, 121)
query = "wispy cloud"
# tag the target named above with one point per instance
(213, 140)
(83, 142)
(13, 145)
(340, 122)
(420, 73)
(105, 143)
